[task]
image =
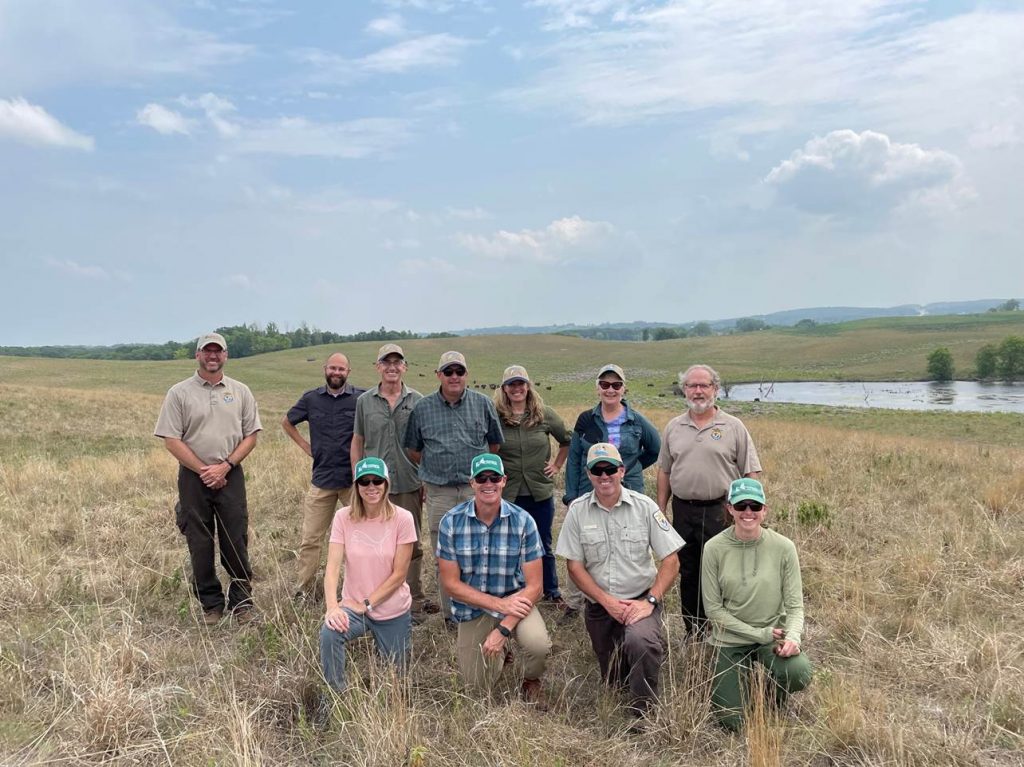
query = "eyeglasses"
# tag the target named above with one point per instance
(494, 479)
(610, 385)
(212, 352)
(748, 506)
(367, 481)
(449, 372)
(699, 386)
(603, 470)
(391, 363)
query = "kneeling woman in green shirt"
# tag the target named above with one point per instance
(753, 596)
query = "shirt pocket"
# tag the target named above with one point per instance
(637, 543)
(595, 545)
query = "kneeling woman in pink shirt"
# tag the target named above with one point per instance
(374, 539)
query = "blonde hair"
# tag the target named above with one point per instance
(357, 509)
(534, 415)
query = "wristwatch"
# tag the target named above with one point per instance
(653, 600)
(503, 631)
(367, 605)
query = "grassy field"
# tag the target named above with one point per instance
(910, 528)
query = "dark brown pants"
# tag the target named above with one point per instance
(696, 525)
(203, 513)
(628, 656)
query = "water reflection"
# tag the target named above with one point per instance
(969, 396)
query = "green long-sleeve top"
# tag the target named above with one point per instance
(751, 587)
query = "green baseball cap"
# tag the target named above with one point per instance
(746, 489)
(486, 462)
(371, 467)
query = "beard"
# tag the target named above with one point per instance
(700, 408)
(335, 381)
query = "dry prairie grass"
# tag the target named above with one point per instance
(912, 560)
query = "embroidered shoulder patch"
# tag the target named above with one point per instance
(663, 523)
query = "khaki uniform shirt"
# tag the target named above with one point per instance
(615, 545)
(210, 418)
(525, 452)
(701, 463)
(383, 430)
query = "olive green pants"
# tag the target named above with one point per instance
(730, 689)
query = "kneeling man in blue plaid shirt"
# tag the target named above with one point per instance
(489, 556)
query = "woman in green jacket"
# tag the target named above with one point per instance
(753, 596)
(528, 425)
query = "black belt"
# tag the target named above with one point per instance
(701, 503)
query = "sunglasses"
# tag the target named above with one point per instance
(610, 385)
(603, 470)
(449, 372)
(367, 481)
(494, 479)
(748, 506)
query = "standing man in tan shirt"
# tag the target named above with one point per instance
(209, 423)
(702, 452)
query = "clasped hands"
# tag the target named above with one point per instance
(629, 611)
(784, 648)
(214, 475)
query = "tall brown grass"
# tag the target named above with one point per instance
(912, 562)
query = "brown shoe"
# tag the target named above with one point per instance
(212, 617)
(244, 615)
(533, 693)
(563, 609)
(429, 607)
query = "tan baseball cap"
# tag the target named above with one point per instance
(211, 338)
(451, 358)
(610, 368)
(387, 349)
(603, 452)
(515, 373)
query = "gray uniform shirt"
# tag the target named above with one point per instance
(615, 545)
(383, 430)
(701, 462)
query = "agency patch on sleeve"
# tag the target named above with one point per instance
(662, 522)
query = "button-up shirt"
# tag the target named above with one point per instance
(615, 545)
(490, 559)
(525, 453)
(450, 435)
(331, 419)
(383, 429)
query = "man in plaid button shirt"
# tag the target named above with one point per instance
(489, 555)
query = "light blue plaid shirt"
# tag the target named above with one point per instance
(490, 559)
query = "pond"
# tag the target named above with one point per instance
(966, 396)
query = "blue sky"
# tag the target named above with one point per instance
(439, 164)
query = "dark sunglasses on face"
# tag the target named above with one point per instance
(367, 481)
(610, 385)
(449, 372)
(748, 505)
(603, 470)
(492, 478)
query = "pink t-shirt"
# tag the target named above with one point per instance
(370, 548)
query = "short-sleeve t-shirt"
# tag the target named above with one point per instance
(370, 547)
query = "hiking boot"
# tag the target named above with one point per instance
(428, 607)
(566, 612)
(533, 694)
(212, 617)
(244, 615)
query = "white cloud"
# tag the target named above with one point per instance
(576, 14)
(994, 136)
(55, 43)
(215, 108)
(426, 266)
(559, 241)
(846, 173)
(423, 52)
(31, 124)
(163, 120)
(391, 25)
(72, 268)
(476, 213)
(299, 137)
(433, 6)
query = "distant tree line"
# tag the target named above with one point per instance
(243, 341)
(1012, 305)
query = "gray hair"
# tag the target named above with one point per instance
(716, 380)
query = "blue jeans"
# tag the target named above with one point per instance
(393, 637)
(543, 513)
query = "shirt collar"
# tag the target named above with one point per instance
(203, 382)
(716, 420)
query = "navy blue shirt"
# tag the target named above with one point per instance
(331, 420)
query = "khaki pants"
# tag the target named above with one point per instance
(480, 673)
(440, 499)
(411, 503)
(318, 509)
